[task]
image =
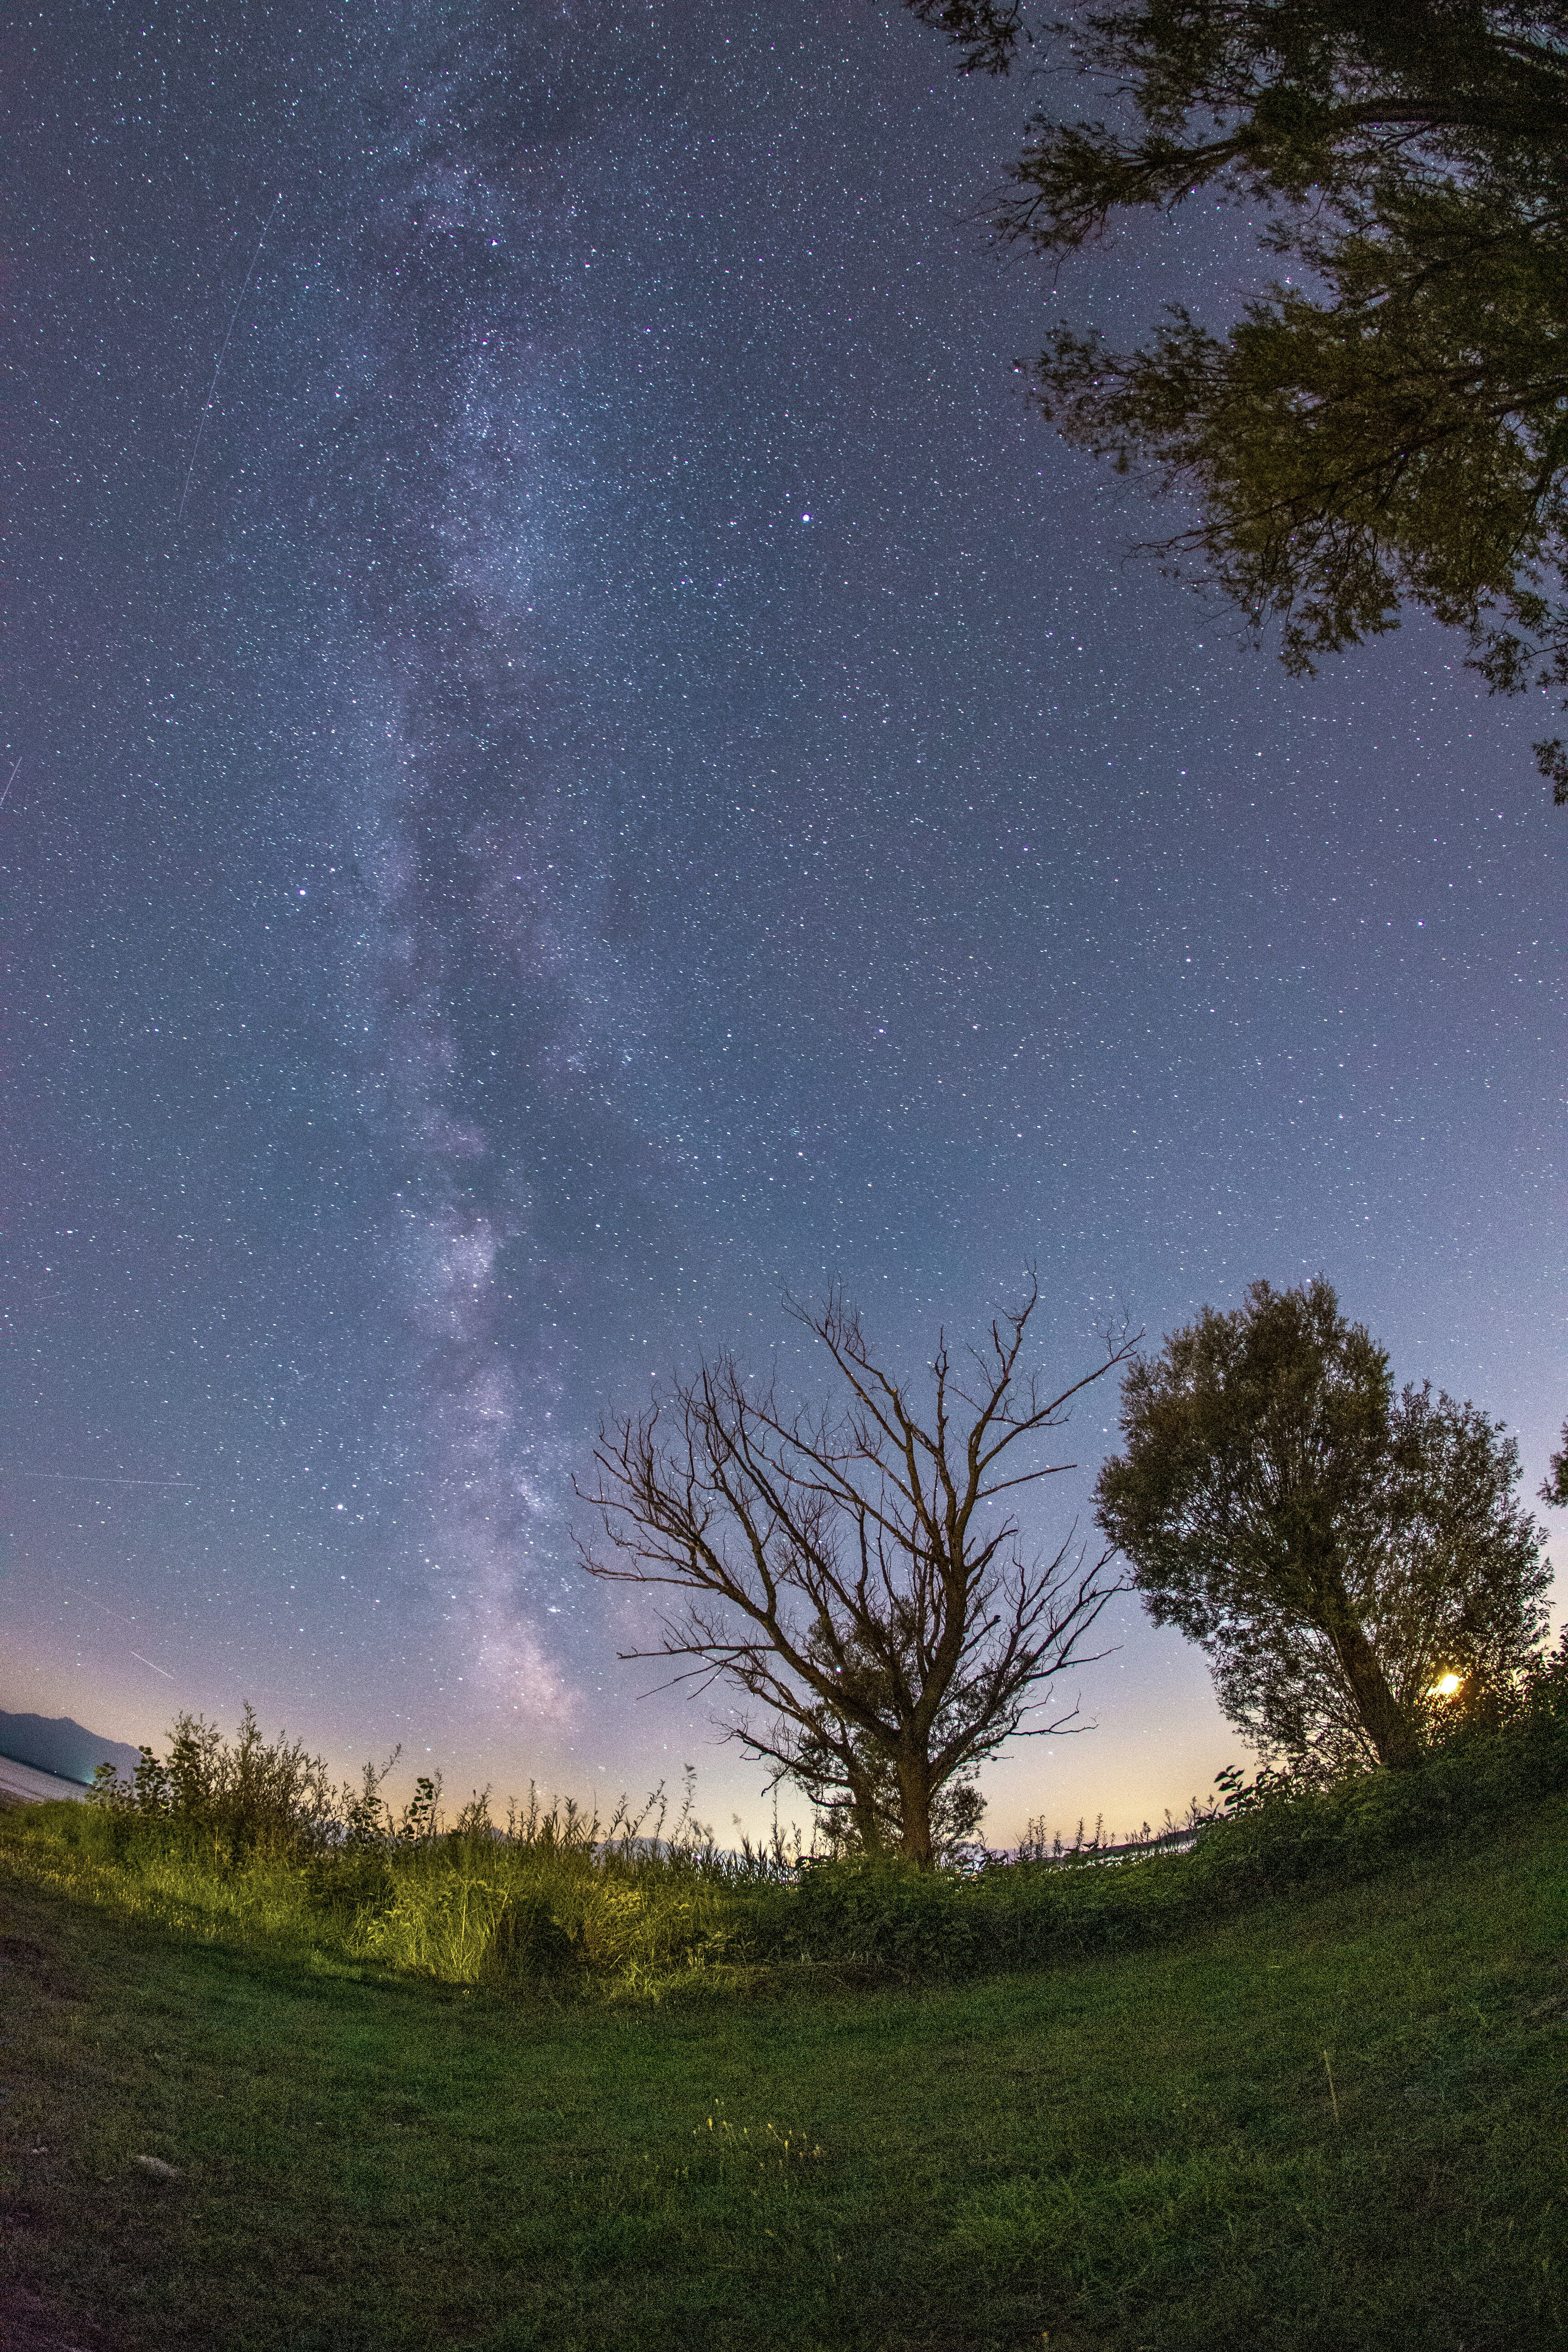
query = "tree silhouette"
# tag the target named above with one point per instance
(1386, 424)
(861, 1577)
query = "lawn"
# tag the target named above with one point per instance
(1334, 2121)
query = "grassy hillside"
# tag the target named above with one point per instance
(1333, 2120)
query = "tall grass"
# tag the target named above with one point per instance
(249, 1839)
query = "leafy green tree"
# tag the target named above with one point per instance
(1386, 424)
(1449, 1591)
(860, 1577)
(1555, 1489)
(1342, 1554)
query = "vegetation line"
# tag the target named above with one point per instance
(247, 1841)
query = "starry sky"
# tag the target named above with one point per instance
(579, 758)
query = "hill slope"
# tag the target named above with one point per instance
(58, 1744)
(1332, 2124)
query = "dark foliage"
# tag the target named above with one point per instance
(633, 1915)
(250, 1795)
(1555, 1489)
(1339, 1551)
(1269, 1836)
(1387, 423)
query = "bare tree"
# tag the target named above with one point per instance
(858, 1575)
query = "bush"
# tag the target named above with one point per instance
(248, 1798)
(880, 1910)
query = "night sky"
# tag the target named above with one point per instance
(580, 758)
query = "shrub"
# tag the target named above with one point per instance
(250, 1797)
(880, 1909)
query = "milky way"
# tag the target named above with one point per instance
(584, 759)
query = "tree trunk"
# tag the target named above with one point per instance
(1382, 1718)
(863, 1812)
(914, 1803)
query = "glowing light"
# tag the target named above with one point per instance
(1445, 1686)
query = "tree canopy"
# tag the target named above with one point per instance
(1386, 423)
(1342, 1553)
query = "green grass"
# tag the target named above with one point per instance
(1139, 2149)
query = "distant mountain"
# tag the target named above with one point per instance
(53, 1743)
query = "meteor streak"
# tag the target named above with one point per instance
(223, 353)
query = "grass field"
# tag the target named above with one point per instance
(1336, 2121)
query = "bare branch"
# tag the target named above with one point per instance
(834, 1570)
